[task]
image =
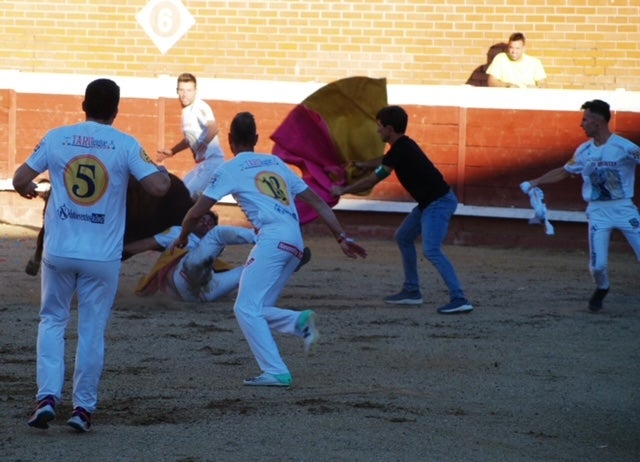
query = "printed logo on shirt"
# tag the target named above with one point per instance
(65, 213)
(86, 179)
(38, 146)
(284, 211)
(213, 180)
(273, 185)
(88, 142)
(258, 163)
(606, 185)
(145, 156)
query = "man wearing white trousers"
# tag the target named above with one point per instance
(265, 188)
(607, 164)
(89, 165)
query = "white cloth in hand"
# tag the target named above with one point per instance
(536, 198)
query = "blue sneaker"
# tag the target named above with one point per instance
(269, 380)
(45, 412)
(306, 324)
(405, 297)
(458, 305)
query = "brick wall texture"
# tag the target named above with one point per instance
(584, 44)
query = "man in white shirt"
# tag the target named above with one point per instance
(200, 131)
(89, 164)
(514, 68)
(265, 188)
(607, 164)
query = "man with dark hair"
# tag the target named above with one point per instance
(431, 216)
(265, 189)
(101, 99)
(607, 163)
(89, 164)
(597, 106)
(514, 68)
(200, 131)
(195, 274)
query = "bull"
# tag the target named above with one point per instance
(146, 215)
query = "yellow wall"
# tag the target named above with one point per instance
(584, 44)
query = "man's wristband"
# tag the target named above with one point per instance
(342, 237)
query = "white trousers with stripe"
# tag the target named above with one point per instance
(604, 217)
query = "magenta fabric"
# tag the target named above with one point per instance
(303, 140)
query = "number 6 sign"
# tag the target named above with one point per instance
(165, 22)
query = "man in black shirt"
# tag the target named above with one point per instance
(431, 216)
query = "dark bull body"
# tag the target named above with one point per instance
(146, 215)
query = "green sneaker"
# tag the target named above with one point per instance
(270, 380)
(306, 324)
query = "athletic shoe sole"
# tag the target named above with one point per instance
(42, 417)
(78, 424)
(405, 301)
(266, 380)
(250, 383)
(457, 310)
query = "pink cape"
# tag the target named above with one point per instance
(331, 128)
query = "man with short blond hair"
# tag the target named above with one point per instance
(200, 131)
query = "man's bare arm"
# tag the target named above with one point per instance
(23, 181)
(142, 245)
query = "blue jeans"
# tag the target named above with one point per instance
(433, 224)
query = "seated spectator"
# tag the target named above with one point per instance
(516, 69)
(479, 77)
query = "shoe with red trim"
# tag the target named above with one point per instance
(45, 412)
(80, 420)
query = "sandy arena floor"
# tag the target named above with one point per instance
(530, 375)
